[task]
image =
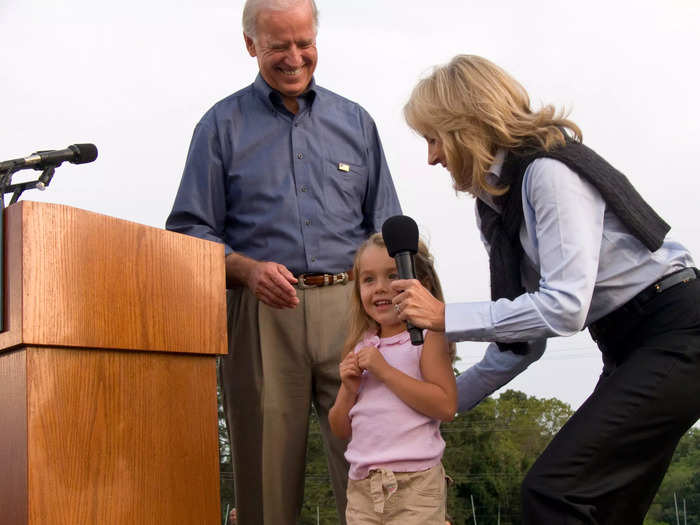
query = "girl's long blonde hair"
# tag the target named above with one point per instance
(474, 108)
(360, 321)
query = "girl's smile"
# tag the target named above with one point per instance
(377, 271)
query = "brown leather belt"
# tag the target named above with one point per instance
(314, 280)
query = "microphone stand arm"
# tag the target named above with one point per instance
(40, 183)
(16, 190)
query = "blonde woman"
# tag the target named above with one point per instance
(571, 245)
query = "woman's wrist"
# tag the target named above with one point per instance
(438, 324)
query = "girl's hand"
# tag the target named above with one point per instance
(350, 372)
(370, 358)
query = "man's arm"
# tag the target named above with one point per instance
(200, 204)
(271, 282)
(381, 201)
(200, 210)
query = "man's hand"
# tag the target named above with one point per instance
(270, 282)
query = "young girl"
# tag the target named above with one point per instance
(391, 401)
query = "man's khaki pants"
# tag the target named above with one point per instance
(279, 362)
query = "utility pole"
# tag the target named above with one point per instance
(675, 502)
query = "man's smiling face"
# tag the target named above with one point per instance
(285, 46)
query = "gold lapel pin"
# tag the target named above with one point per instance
(343, 167)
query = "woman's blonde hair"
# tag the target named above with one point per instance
(474, 108)
(360, 321)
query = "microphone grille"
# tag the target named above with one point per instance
(400, 234)
(84, 153)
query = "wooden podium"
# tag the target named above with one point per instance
(108, 411)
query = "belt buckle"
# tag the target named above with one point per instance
(301, 284)
(340, 278)
(328, 279)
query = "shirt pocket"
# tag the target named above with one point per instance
(345, 187)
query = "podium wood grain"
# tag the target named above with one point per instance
(121, 438)
(13, 439)
(77, 278)
(107, 371)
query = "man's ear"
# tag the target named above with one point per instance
(250, 45)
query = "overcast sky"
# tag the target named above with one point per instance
(135, 77)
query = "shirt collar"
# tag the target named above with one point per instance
(398, 339)
(492, 177)
(497, 164)
(273, 98)
(373, 339)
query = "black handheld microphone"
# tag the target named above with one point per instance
(75, 153)
(400, 234)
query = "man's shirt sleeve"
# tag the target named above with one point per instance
(200, 205)
(381, 201)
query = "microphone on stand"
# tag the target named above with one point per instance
(400, 234)
(44, 161)
(75, 153)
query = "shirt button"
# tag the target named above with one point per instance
(307, 221)
(300, 156)
(313, 259)
(303, 188)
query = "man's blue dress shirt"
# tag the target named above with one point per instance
(302, 190)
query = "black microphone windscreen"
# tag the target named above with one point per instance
(83, 153)
(400, 234)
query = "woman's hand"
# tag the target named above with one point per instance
(416, 304)
(350, 373)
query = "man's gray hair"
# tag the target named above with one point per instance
(253, 7)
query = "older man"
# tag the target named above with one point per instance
(290, 177)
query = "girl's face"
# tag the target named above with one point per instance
(377, 270)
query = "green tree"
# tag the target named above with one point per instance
(226, 487)
(682, 480)
(489, 450)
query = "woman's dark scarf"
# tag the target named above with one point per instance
(502, 230)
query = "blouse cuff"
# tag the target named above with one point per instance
(468, 321)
